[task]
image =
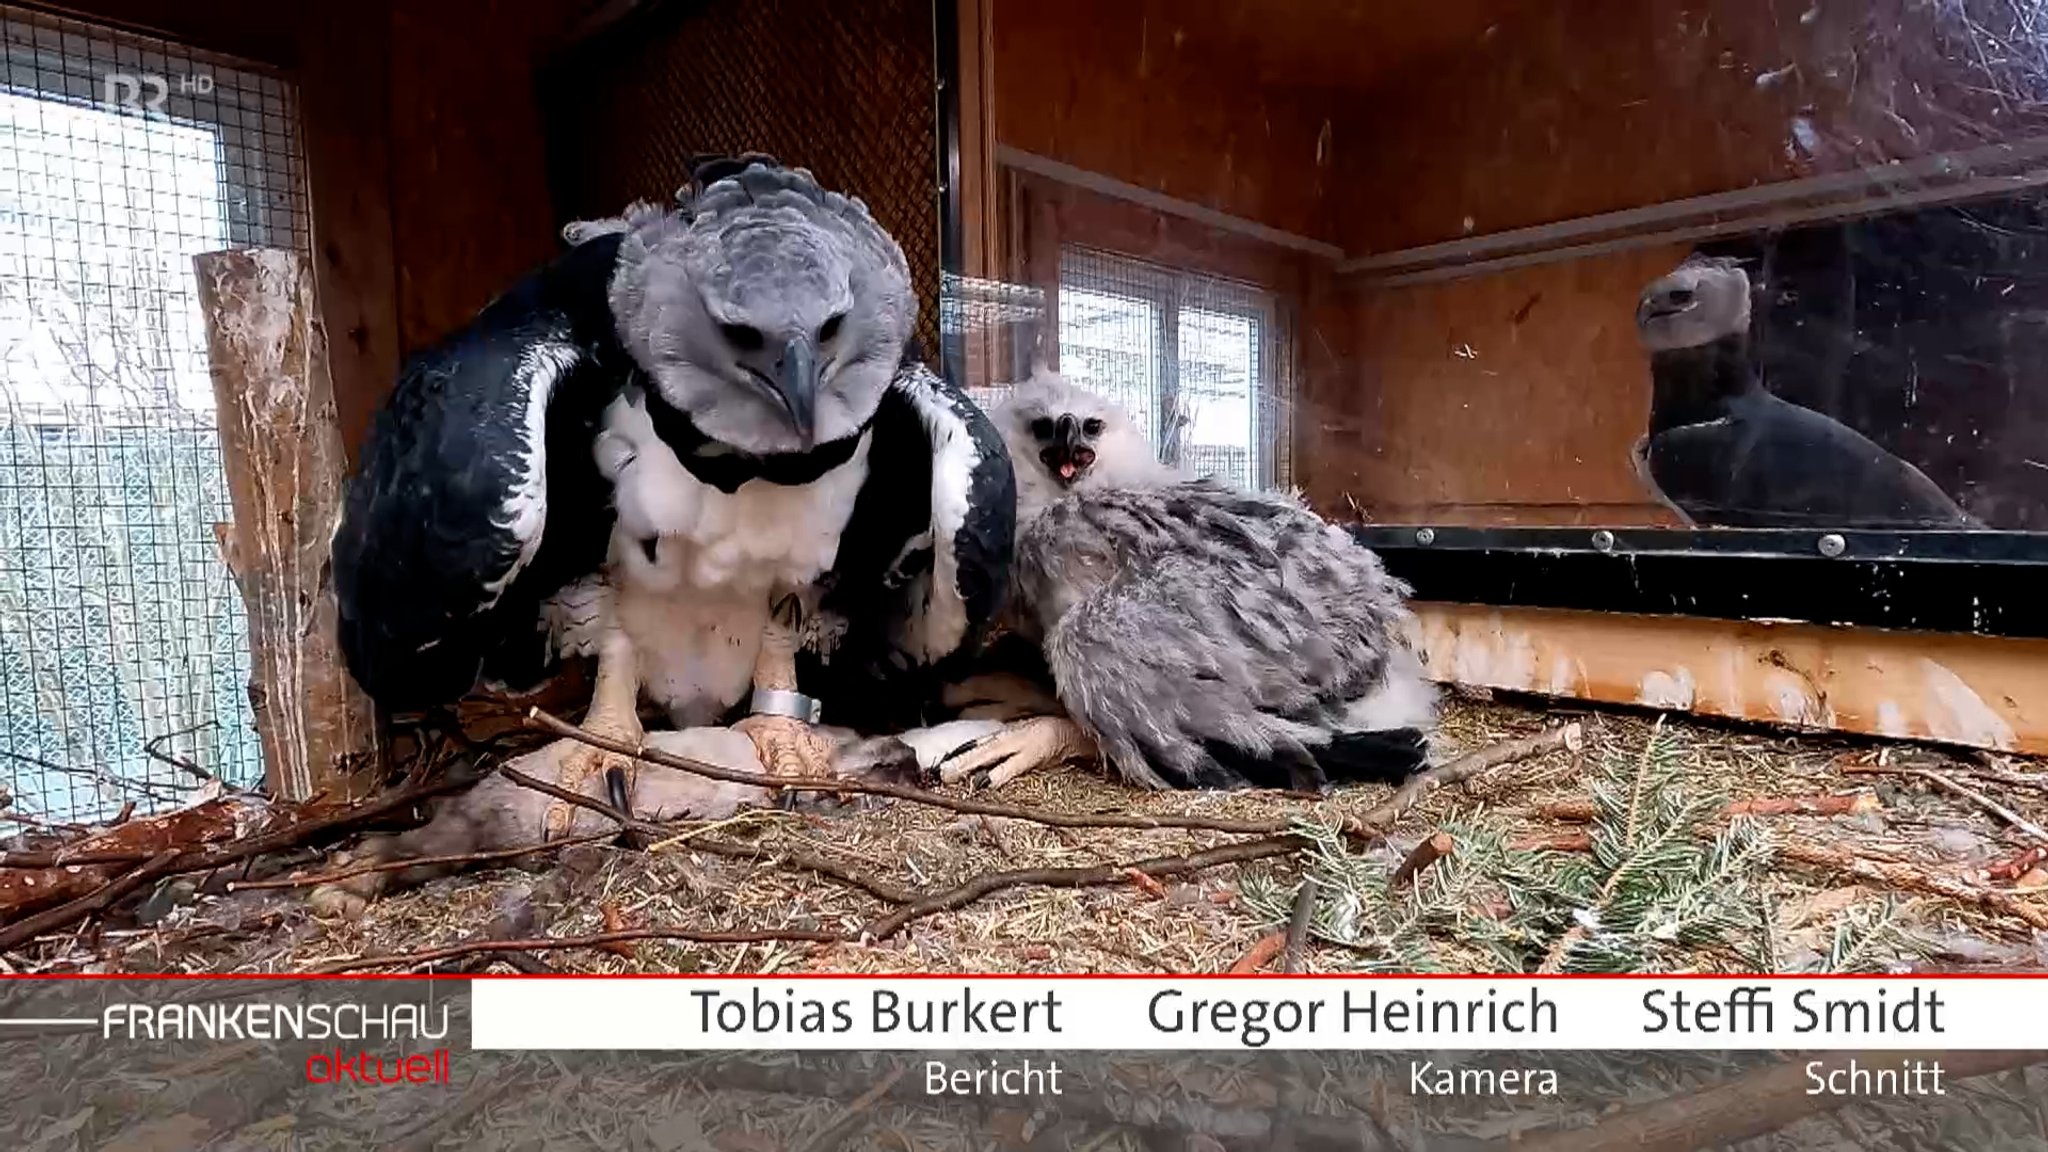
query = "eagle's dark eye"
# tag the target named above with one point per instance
(1091, 427)
(831, 327)
(1042, 428)
(742, 337)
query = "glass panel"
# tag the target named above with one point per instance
(1501, 263)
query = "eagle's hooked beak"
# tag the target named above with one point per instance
(1666, 302)
(796, 382)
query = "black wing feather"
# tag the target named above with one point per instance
(422, 543)
(886, 585)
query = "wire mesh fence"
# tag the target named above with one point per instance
(123, 644)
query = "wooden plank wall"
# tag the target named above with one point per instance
(1122, 90)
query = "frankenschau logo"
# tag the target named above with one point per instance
(146, 92)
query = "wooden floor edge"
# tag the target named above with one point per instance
(1973, 691)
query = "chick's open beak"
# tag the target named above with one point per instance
(1069, 455)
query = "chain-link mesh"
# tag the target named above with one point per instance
(842, 87)
(123, 645)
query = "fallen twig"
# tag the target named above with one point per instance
(1298, 924)
(1569, 840)
(153, 748)
(63, 915)
(1908, 878)
(880, 890)
(174, 863)
(603, 808)
(904, 792)
(39, 822)
(615, 921)
(1429, 851)
(1418, 787)
(1096, 877)
(1993, 767)
(2019, 865)
(1260, 954)
(415, 862)
(595, 940)
(1146, 884)
(1584, 811)
(1842, 804)
(175, 794)
(1959, 788)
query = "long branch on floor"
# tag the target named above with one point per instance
(1272, 839)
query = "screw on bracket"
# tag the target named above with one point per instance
(1425, 536)
(1603, 540)
(1832, 545)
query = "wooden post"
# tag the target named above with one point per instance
(282, 448)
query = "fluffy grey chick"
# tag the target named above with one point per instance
(1198, 636)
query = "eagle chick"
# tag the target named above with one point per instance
(1197, 635)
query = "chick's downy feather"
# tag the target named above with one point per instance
(1215, 637)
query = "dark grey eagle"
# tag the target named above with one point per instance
(1721, 450)
(694, 444)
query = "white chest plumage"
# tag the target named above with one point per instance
(694, 571)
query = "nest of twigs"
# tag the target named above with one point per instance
(1868, 857)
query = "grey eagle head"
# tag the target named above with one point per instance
(1064, 438)
(1700, 301)
(770, 311)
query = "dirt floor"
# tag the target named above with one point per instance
(1874, 857)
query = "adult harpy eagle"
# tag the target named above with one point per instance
(1196, 635)
(682, 447)
(1721, 450)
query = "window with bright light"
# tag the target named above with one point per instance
(125, 655)
(1199, 362)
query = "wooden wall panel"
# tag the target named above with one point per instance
(1976, 691)
(345, 111)
(1600, 105)
(1507, 399)
(1117, 90)
(470, 206)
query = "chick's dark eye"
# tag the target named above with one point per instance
(742, 337)
(1042, 428)
(831, 327)
(1091, 427)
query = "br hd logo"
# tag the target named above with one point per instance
(147, 92)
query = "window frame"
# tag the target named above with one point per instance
(1170, 290)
